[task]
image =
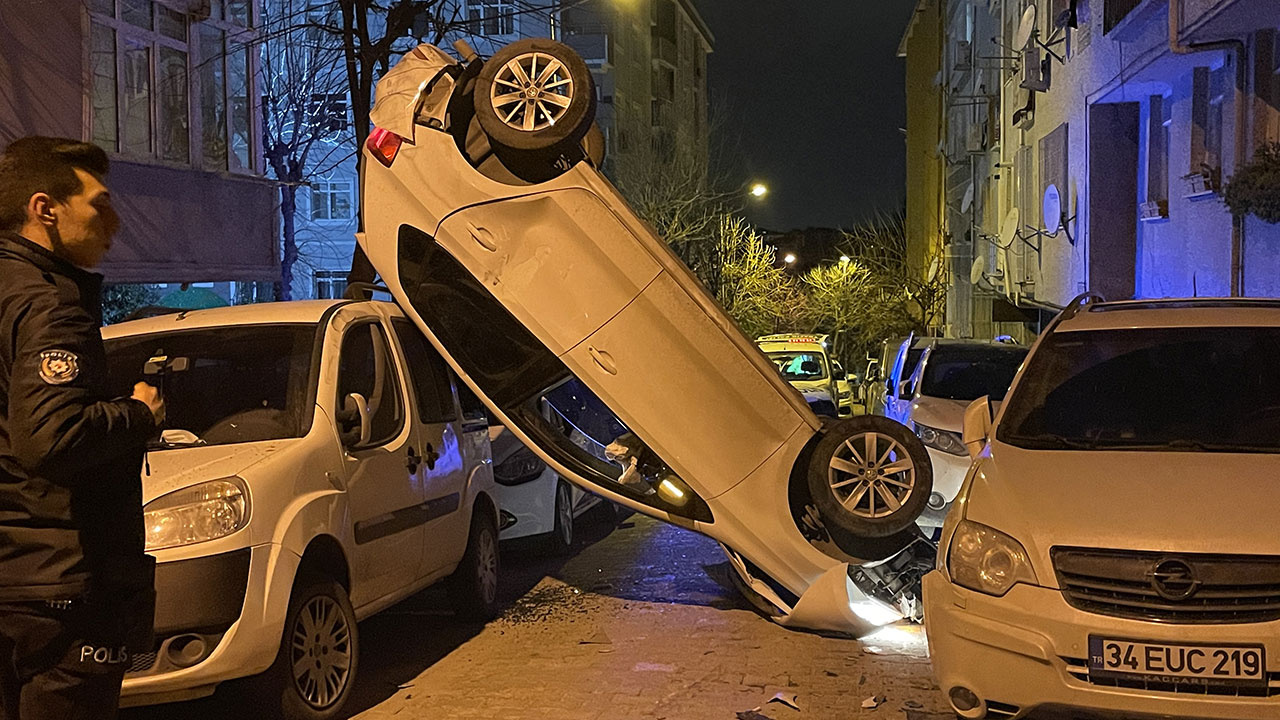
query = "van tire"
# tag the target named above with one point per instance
(473, 586)
(856, 494)
(275, 694)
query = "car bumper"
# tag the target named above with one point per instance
(948, 475)
(1027, 652)
(528, 509)
(197, 598)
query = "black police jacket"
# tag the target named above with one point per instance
(70, 455)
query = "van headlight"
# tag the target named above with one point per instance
(944, 440)
(196, 514)
(986, 560)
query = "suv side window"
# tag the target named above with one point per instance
(429, 374)
(475, 416)
(366, 367)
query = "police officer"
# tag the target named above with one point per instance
(75, 584)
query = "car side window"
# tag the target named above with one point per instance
(429, 374)
(365, 366)
(475, 415)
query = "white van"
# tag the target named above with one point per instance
(803, 361)
(316, 468)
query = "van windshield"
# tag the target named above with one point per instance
(223, 385)
(1209, 389)
(968, 373)
(800, 365)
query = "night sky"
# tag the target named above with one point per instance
(809, 95)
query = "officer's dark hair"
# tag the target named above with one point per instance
(38, 164)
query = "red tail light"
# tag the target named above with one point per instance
(383, 145)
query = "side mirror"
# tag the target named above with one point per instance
(978, 418)
(840, 374)
(905, 390)
(355, 409)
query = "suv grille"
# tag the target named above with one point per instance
(1170, 587)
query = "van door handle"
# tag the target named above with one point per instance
(484, 237)
(412, 460)
(432, 457)
(603, 359)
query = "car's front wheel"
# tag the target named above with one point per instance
(560, 541)
(473, 587)
(869, 476)
(315, 667)
(535, 95)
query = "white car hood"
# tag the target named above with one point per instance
(179, 468)
(939, 413)
(1188, 502)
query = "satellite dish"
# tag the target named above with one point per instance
(935, 267)
(1025, 28)
(978, 272)
(1009, 228)
(1052, 210)
(967, 202)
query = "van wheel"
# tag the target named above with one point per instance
(869, 476)
(560, 540)
(316, 664)
(473, 587)
(537, 95)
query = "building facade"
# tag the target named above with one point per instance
(648, 58)
(1086, 145)
(167, 88)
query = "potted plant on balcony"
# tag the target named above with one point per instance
(1255, 187)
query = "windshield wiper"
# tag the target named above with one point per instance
(175, 439)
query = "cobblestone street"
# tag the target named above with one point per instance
(640, 623)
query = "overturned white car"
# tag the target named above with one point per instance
(486, 217)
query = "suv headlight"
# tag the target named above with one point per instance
(196, 514)
(944, 440)
(986, 560)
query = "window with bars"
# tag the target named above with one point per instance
(162, 87)
(1115, 11)
(329, 284)
(332, 200)
(1161, 120)
(491, 17)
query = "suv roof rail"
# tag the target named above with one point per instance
(1077, 304)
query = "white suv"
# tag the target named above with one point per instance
(317, 469)
(1113, 550)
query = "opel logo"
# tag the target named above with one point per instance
(1174, 579)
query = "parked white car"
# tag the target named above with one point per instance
(1113, 551)
(487, 218)
(949, 375)
(316, 469)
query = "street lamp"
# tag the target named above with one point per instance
(759, 190)
(844, 259)
(789, 258)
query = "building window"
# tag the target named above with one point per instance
(332, 201)
(1209, 93)
(330, 284)
(144, 94)
(1114, 11)
(329, 111)
(491, 17)
(1158, 149)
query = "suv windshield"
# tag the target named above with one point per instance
(1211, 389)
(968, 373)
(799, 365)
(240, 384)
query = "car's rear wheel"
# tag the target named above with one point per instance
(535, 95)
(315, 667)
(560, 541)
(473, 587)
(869, 476)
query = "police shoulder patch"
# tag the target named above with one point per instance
(59, 367)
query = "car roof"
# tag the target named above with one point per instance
(1174, 313)
(293, 312)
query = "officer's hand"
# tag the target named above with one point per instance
(150, 397)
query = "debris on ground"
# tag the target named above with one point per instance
(872, 702)
(752, 714)
(791, 700)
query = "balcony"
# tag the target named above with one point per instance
(593, 43)
(664, 50)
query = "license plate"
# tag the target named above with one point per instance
(1238, 665)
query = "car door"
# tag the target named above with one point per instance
(384, 493)
(893, 401)
(448, 456)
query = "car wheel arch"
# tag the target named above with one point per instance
(324, 558)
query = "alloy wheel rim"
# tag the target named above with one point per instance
(321, 652)
(488, 571)
(872, 481)
(532, 92)
(564, 511)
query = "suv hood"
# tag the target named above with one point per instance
(178, 468)
(1189, 502)
(939, 413)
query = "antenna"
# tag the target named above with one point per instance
(967, 202)
(1026, 28)
(1009, 228)
(978, 271)
(935, 267)
(1052, 210)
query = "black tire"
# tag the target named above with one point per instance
(498, 76)
(473, 587)
(560, 539)
(276, 694)
(908, 487)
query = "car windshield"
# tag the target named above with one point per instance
(799, 365)
(968, 373)
(223, 385)
(1181, 389)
